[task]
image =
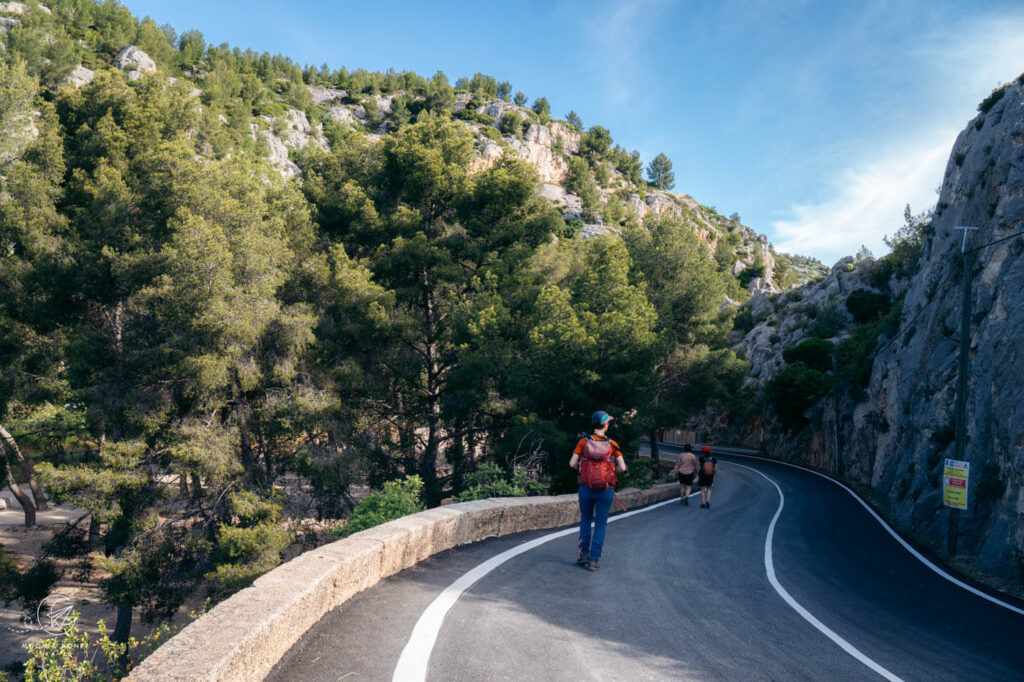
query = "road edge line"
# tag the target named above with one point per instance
(907, 546)
(415, 657)
(769, 566)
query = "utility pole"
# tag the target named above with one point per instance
(961, 384)
(835, 409)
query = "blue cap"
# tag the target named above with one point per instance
(600, 417)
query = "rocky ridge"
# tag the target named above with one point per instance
(895, 436)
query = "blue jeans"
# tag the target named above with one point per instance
(594, 508)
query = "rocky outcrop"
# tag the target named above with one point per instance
(13, 8)
(326, 95)
(535, 147)
(498, 109)
(895, 435)
(282, 135)
(133, 59)
(902, 433)
(81, 76)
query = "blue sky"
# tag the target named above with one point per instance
(815, 121)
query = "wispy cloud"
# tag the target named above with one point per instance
(617, 35)
(867, 201)
(869, 191)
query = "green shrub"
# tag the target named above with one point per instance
(986, 104)
(750, 273)
(867, 306)
(511, 124)
(572, 228)
(856, 354)
(395, 500)
(793, 390)
(490, 480)
(814, 353)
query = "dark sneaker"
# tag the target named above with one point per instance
(592, 565)
(707, 506)
(583, 559)
(682, 501)
(686, 501)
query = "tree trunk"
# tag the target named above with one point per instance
(248, 458)
(655, 451)
(94, 532)
(26, 470)
(123, 628)
(183, 484)
(24, 500)
(197, 486)
(428, 467)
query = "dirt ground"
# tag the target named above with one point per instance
(19, 628)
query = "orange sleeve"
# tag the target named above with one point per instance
(579, 447)
(616, 452)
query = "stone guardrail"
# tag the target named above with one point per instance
(243, 637)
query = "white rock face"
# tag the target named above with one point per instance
(498, 109)
(300, 134)
(7, 23)
(297, 134)
(81, 76)
(132, 58)
(570, 138)
(277, 152)
(535, 148)
(462, 99)
(12, 8)
(343, 114)
(325, 95)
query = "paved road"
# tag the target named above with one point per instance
(684, 593)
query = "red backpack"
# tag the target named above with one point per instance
(597, 468)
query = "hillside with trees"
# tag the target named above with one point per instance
(237, 294)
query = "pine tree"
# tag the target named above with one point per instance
(659, 173)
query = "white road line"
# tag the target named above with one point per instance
(804, 613)
(412, 664)
(893, 533)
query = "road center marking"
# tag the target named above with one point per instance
(769, 566)
(412, 664)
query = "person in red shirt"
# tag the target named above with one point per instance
(595, 504)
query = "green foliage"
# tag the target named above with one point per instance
(659, 173)
(905, 246)
(794, 389)
(596, 143)
(541, 106)
(574, 120)
(866, 305)
(519, 99)
(813, 353)
(511, 124)
(395, 500)
(986, 104)
(856, 354)
(751, 272)
(490, 480)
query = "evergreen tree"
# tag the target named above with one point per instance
(573, 119)
(659, 173)
(520, 99)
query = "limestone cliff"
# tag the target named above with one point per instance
(896, 433)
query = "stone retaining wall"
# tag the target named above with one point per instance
(243, 637)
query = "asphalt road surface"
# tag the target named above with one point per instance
(815, 590)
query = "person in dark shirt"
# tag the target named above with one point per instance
(707, 467)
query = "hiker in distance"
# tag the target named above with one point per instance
(597, 457)
(707, 468)
(685, 469)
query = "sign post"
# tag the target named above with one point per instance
(955, 477)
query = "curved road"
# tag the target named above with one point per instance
(683, 593)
